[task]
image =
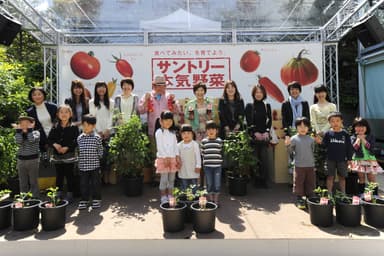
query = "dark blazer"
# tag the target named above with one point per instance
(358, 152)
(255, 125)
(72, 104)
(287, 114)
(64, 136)
(226, 119)
(31, 111)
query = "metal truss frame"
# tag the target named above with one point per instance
(338, 26)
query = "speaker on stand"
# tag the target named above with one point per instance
(369, 31)
(9, 28)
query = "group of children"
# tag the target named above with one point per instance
(344, 154)
(63, 138)
(185, 156)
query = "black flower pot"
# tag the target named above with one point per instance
(5, 214)
(348, 215)
(320, 215)
(237, 186)
(374, 213)
(53, 218)
(173, 218)
(133, 186)
(204, 219)
(27, 217)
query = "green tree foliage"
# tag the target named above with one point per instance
(13, 90)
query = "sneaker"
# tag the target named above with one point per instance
(82, 205)
(300, 203)
(96, 204)
(164, 199)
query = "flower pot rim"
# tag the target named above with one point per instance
(62, 203)
(310, 200)
(6, 203)
(184, 205)
(30, 206)
(371, 203)
(205, 209)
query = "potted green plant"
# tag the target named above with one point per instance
(5, 208)
(53, 211)
(321, 208)
(373, 206)
(128, 152)
(241, 161)
(204, 215)
(8, 160)
(348, 209)
(173, 215)
(25, 212)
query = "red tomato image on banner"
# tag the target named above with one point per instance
(250, 61)
(85, 65)
(272, 89)
(299, 69)
(123, 66)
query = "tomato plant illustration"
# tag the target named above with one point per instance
(123, 67)
(272, 89)
(85, 65)
(250, 61)
(299, 69)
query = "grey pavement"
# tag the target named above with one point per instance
(264, 221)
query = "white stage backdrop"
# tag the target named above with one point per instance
(275, 64)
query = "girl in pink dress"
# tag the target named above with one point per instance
(168, 160)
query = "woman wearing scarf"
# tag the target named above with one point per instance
(291, 109)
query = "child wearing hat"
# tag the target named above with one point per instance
(28, 155)
(190, 158)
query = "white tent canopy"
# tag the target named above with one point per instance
(180, 20)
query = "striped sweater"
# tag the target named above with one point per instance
(28, 143)
(212, 152)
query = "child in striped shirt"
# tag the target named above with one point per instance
(211, 147)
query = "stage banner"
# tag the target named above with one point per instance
(273, 65)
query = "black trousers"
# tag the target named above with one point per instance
(261, 152)
(90, 185)
(65, 170)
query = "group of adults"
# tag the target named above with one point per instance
(231, 111)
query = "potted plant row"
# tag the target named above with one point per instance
(321, 208)
(189, 203)
(373, 207)
(129, 150)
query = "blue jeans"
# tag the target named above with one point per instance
(213, 179)
(185, 183)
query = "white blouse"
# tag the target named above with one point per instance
(126, 107)
(166, 143)
(319, 116)
(44, 118)
(103, 115)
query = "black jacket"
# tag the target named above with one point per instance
(226, 119)
(64, 136)
(31, 111)
(358, 152)
(287, 114)
(258, 123)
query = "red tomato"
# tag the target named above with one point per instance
(123, 66)
(84, 65)
(250, 61)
